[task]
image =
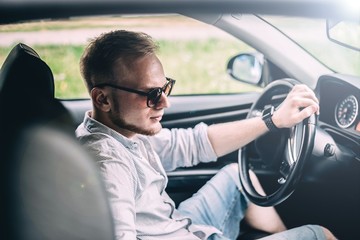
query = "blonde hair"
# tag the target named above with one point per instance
(120, 47)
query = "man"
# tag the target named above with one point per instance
(129, 92)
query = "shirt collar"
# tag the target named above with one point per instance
(93, 126)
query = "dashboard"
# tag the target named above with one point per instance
(346, 112)
(339, 97)
(339, 102)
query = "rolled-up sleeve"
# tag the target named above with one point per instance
(183, 147)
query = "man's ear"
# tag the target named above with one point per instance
(100, 99)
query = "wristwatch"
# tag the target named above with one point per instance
(266, 117)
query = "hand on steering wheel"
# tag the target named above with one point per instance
(299, 104)
(295, 117)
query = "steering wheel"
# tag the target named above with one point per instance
(286, 151)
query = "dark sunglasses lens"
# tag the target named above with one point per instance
(154, 97)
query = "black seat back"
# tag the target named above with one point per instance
(50, 187)
(27, 92)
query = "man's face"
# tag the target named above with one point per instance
(129, 113)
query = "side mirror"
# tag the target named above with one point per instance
(344, 33)
(246, 67)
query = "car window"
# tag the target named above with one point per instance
(193, 53)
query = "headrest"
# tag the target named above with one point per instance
(27, 93)
(25, 74)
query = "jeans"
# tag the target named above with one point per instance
(221, 203)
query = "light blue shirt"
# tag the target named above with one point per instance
(134, 173)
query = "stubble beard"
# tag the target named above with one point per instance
(118, 121)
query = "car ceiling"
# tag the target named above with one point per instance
(21, 10)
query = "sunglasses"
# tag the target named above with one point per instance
(153, 96)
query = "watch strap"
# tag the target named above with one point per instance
(270, 124)
(267, 118)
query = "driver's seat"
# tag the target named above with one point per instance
(50, 187)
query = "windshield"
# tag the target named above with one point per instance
(310, 34)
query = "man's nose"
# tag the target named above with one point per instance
(163, 101)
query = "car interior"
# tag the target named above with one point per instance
(43, 145)
(51, 188)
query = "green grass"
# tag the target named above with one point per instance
(64, 62)
(199, 66)
(96, 22)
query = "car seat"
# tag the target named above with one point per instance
(50, 187)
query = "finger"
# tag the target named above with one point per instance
(304, 92)
(304, 102)
(305, 113)
(303, 98)
(301, 87)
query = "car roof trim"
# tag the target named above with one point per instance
(20, 10)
